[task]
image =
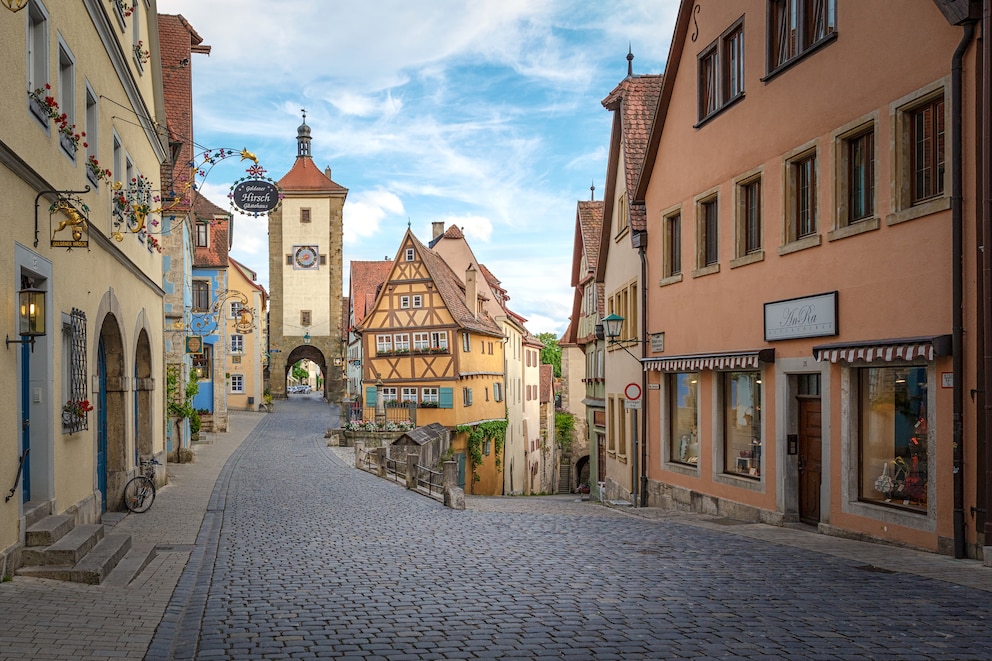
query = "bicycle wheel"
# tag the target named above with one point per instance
(139, 494)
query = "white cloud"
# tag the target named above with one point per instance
(365, 211)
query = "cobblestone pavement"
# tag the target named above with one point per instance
(276, 548)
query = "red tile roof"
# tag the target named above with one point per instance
(366, 278)
(215, 254)
(635, 100)
(305, 176)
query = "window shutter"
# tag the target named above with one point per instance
(446, 397)
(369, 395)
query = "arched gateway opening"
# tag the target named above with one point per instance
(313, 354)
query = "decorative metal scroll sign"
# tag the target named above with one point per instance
(255, 196)
(73, 221)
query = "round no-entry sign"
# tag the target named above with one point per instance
(632, 391)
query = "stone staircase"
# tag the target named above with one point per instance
(565, 478)
(56, 548)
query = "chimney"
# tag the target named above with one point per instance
(471, 290)
(438, 228)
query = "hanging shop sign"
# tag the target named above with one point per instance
(809, 316)
(194, 344)
(67, 216)
(255, 196)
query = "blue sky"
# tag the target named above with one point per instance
(481, 113)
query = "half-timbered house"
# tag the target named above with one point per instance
(428, 340)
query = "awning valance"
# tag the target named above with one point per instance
(905, 348)
(711, 361)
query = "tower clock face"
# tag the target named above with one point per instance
(306, 257)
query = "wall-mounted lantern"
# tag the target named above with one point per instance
(30, 316)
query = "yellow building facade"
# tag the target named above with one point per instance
(87, 395)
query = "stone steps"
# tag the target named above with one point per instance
(56, 548)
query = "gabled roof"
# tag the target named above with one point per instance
(452, 290)
(366, 277)
(633, 102)
(588, 228)
(215, 254)
(305, 176)
(547, 383)
(250, 276)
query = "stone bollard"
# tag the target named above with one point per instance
(359, 447)
(454, 498)
(449, 475)
(411, 470)
(381, 454)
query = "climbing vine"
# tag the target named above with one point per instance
(493, 430)
(564, 428)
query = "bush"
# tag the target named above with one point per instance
(194, 421)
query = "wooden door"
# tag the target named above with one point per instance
(810, 460)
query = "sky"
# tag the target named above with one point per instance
(485, 114)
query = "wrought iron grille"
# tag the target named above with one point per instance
(75, 412)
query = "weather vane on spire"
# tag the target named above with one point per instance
(304, 111)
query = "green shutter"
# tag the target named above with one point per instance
(446, 398)
(369, 395)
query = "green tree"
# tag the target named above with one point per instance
(300, 374)
(551, 353)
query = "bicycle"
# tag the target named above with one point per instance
(139, 492)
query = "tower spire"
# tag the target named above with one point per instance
(592, 191)
(630, 61)
(303, 137)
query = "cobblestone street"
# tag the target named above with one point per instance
(301, 556)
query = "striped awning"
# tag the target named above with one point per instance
(907, 348)
(711, 361)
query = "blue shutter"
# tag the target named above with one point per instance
(369, 395)
(446, 398)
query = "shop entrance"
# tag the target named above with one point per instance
(810, 459)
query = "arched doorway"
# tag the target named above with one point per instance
(113, 467)
(143, 392)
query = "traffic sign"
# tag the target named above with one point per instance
(632, 391)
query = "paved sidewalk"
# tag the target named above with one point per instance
(46, 619)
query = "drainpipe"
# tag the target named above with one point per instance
(641, 247)
(957, 333)
(986, 240)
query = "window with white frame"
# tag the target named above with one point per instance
(408, 394)
(37, 54)
(237, 343)
(467, 396)
(201, 237)
(234, 310)
(466, 342)
(67, 99)
(409, 254)
(92, 134)
(418, 301)
(404, 302)
(439, 339)
(401, 342)
(388, 394)
(429, 395)
(421, 341)
(383, 343)
(237, 383)
(498, 391)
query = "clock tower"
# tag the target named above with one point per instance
(305, 274)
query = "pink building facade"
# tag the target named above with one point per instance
(803, 236)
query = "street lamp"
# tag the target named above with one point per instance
(306, 337)
(31, 316)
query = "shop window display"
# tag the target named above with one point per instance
(683, 409)
(742, 423)
(894, 436)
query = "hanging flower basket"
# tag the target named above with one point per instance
(74, 413)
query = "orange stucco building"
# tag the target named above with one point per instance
(799, 187)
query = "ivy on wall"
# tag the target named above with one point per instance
(493, 430)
